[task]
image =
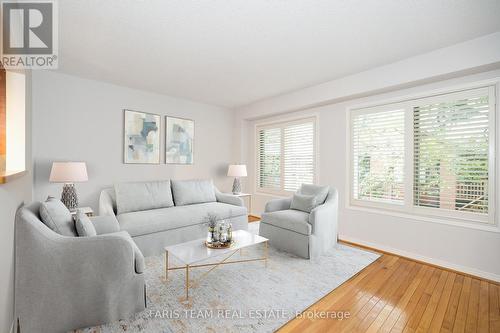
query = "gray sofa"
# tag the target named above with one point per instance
(307, 235)
(69, 282)
(161, 213)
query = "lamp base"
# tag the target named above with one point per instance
(236, 186)
(69, 197)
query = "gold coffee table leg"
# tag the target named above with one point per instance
(166, 265)
(187, 282)
(266, 255)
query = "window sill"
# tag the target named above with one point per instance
(451, 222)
(274, 194)
(8, 176)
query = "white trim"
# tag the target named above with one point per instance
(493, 162)
(489, 222)
(273, 123)
(430, 93)
(432, 261)
(423, 218)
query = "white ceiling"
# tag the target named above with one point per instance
(234, 52)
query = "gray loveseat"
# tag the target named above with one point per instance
(161, 213)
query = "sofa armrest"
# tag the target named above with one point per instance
(139, 262)
(278, 204)
(91, 263)
(105, 224)
(229, 199)
(324, 218)
(106, 206)
(112, 257)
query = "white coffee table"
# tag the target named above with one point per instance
(192, 254)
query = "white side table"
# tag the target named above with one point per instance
(86, 210)
(245, 195)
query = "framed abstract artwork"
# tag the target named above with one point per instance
(141, 138)
(179, 145)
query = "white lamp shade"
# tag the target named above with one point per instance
(68, 172)
(237, 170)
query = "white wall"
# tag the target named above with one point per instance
(16, 121)
(469, 250)
(473, 56)
(12, 196)
(82, 120)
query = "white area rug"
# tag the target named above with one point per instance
(244, 297)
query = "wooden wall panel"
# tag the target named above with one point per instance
(3, 145)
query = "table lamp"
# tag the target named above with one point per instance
(237, 171)
(69, 173)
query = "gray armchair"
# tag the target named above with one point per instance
(306, 235)
(65, 283)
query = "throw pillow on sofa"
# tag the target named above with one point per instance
(84, 226)
(188, 192)
(133, 197)
(303, 202)
(56, 216)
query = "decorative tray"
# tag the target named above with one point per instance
(218, 245)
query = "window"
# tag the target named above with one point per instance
(12, 125)
(429, 156)
(286, 155)
(378, 149)
(451, 154)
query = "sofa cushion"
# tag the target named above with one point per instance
(157, 220)
(132, 197)
(57, 217)
(303, 202)
(188, 192)
(84, 227)
(294, 220)
(321, 192)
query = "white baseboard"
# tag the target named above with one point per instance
(432, 261)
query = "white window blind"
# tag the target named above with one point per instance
(286, 155)
(378, 156)
(298, 155)
(270, 158)
(451, 144)
(429, 156)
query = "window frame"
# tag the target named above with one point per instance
(282, 124)
(408, 210)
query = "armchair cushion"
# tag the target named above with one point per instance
(57, 217)
(84, 227)
(290, 219)
(303, 202)
(320, 192)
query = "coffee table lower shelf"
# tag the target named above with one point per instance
(214, 265)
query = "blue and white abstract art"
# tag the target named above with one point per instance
(180, 141)
(142, 138)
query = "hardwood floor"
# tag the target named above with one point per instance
(396, 294)
(253, 218)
